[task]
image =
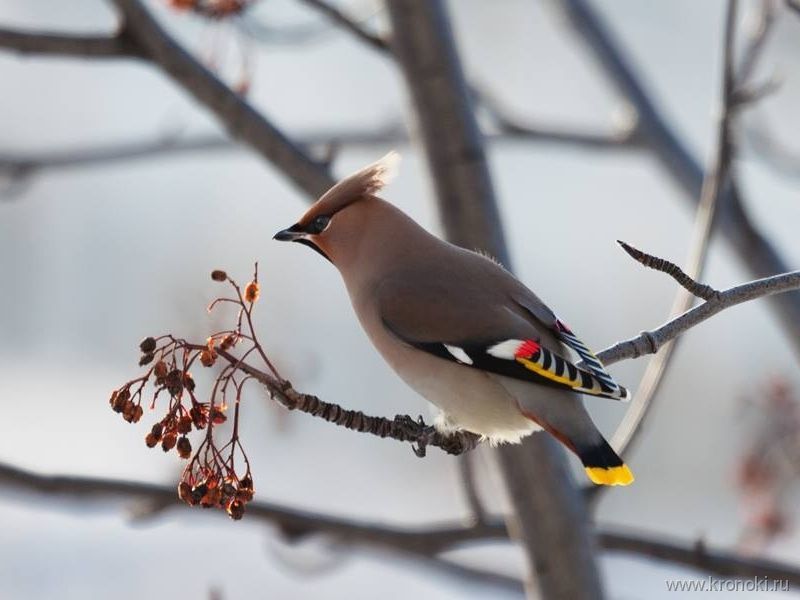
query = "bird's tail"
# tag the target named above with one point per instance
(603, 465)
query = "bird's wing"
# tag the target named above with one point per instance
(528, 360)
(542, 313)
(455, 320)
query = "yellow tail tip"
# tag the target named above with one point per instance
(621, 475)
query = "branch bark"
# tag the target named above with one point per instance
(551, 519)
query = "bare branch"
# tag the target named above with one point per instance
(428, 540)
(240, 118)
(73, 46)
(698, 556)
(650, 341)
(295, 524)
(26, 164)
(349, 24)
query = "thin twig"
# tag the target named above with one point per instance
(700, 290)
(698, 556)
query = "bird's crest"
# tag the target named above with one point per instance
(367, 182)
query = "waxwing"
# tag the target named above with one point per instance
(457, 327)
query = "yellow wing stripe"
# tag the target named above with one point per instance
(540, 370)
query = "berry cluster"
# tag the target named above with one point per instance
(212, 478)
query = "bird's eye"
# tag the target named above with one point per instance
(319, 224)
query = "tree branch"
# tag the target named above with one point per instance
(650, 341)
(698, 556)
(21, 165)
(428, 540)
(75, 46)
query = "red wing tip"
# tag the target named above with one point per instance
(561, 326)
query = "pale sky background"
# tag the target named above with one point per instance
(94, 259)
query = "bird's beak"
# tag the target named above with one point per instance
(292, 234)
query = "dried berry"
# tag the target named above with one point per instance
(211, 498)
(199, 416)
(184, 425)
(198, 492)
(146, 359)
(217, 416)
(169, 441)
(218, 275)
(174, 382)
(118, 400)
(160, 369)
(147, 345)
(236, 510)
(188, 381)
(185, 492)
(229, 341)
(207, 357)
(184, 447)
(252, 291)
(129, 412)
(154, 436)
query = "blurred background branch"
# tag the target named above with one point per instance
(425, 541)
(74, 46)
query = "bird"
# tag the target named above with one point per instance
(457, 327)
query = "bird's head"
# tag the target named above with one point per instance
(335, 222)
